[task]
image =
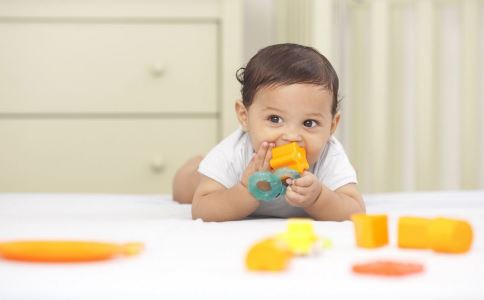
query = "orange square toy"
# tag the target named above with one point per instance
(290, 156)
(412, 232)
(371, 231)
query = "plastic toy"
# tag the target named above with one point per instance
(274, 253)
(388, 268)
(371, 231)
(439, 234)
(289, 156)
(66, 251)
(412, 232)
(288, 161)
(299, 237)
(265, 186)
(268, 255)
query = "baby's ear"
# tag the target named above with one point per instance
(335, 122)
(242, 114)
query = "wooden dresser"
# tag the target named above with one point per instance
(113, 96)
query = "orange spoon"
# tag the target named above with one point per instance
(65, 251)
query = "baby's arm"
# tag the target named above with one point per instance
(214, 202)
(320, 202)
(337, 205)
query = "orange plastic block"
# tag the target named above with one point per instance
(412, 232)
(387, 268)
(289, 156)
(450, 235)
(371, 231)
(439, 234)
(268, 255)
(65, 251)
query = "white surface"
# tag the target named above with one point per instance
(191, 259)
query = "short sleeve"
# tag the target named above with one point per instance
(222, 163)
(335, 169)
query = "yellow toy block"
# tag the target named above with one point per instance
(439, 234)
(268, 255)
(450, 235)
(290, 156)
(299, 237)
(412, 232)
(371, 231)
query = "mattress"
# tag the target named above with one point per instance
(191, 259)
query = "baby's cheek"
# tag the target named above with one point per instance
(312, 157)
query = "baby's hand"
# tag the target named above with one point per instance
(304, 191)
(259, 162)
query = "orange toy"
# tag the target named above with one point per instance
(371, 231)
(412, 232)
(387, 268)
(439, 234)
(65, 251)
(268, 255)
(291, 156)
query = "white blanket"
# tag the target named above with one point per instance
(187, 259)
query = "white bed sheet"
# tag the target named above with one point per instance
(186, 259)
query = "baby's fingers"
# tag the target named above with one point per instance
(260, 155)
(305, 181)
(268, 156)
(263, 156)
(296, 189)
(293, 197)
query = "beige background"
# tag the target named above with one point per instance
(112, 96)
(412, 83)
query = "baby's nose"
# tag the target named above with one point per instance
(291, 137)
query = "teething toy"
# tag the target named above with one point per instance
(288, 161)
(273, 183)
(291, 156)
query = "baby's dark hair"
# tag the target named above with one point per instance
(285, 64)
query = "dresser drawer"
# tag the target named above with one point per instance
(84, 65)
(98, 156)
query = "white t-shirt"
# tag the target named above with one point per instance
(227, 161)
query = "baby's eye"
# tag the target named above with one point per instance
(275, 119)
(311, 123)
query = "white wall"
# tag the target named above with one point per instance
(259, 26)
(412, 79)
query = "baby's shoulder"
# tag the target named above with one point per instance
(225, 162)
(234, 141)
(231, 148)
(334, 147)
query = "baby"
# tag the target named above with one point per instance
(289, 94)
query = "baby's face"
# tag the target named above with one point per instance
(292, 113)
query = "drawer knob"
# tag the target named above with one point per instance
(157, 69)
(158, 164)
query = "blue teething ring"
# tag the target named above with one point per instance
(283, 174)
(273, 181)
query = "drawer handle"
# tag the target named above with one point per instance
(157, 69)
(158, 164)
